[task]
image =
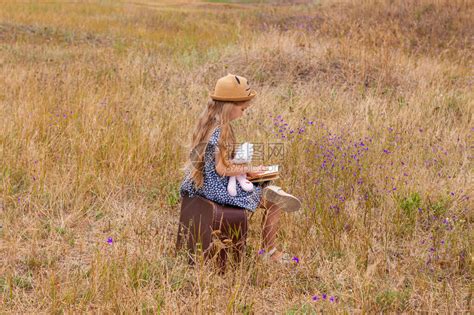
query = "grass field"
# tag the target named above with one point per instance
(372, 101)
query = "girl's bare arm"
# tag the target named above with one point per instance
(232, 169)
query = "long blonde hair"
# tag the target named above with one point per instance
(217, 114)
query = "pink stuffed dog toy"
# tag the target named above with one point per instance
(243, 155)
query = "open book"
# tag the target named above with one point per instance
(271, 174)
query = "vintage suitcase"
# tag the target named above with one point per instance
(203, 221)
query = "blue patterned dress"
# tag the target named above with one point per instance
(215, 186)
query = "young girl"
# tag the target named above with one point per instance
(208, 169)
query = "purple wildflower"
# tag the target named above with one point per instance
(386, 151)
(295, 259)
(260, 252)
(110, 240)
(324, 296)
(315, 297)
(331, 299)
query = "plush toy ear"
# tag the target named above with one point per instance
(237, 79)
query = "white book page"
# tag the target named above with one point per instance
(271, 169)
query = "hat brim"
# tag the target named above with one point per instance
(234, 99)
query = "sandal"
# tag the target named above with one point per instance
(284, 259)
(276, 195)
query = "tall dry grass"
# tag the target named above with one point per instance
(372, 100)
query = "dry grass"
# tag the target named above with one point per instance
(99, 99)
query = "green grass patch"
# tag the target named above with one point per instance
(407, 215)
(392, 300)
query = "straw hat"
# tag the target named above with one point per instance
(232, 88)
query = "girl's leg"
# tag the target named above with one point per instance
(270, 222)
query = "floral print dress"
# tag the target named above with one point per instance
(215, 186)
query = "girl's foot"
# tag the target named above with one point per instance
(279, 197)
(277, 256)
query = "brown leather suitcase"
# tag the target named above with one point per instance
(203, 221)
